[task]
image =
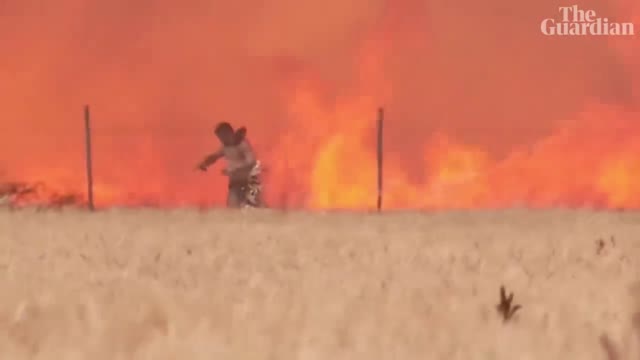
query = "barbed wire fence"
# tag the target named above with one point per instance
(98, 163)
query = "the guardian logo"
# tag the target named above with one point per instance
(577, 22)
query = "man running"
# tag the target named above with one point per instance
(243, 169)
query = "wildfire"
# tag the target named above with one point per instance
(23, 194)
(315, 133)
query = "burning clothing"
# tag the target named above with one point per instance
(243, 169)
(246, 191)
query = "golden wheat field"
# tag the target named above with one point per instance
(185, 284)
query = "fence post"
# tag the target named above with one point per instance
(379, 146)
(89, 163)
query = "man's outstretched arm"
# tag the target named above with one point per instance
(210, 160)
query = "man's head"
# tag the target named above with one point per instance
(224, 131)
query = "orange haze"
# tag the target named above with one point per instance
(482, 110)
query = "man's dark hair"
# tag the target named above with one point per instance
(224, 128)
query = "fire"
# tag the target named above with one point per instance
(343, 176)
(544, 137)
(593, 161)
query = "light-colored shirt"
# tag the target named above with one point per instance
(239, 156)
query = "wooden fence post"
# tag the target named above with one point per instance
(89, 163)
(379, 146)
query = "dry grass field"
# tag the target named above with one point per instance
(144, 284)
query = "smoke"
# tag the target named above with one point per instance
(159, 74)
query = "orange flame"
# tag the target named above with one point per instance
(482, 111)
